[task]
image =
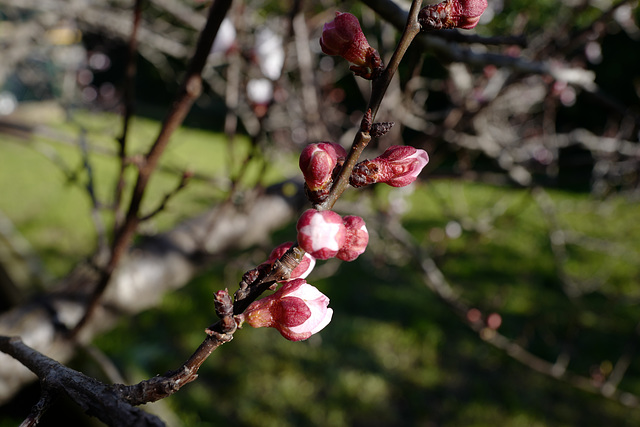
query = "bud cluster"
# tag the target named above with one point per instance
(398, 166)
(298, 310)
(325, 234)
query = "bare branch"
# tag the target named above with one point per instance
(189, 92)
(395, 15)
(39, 409)
(157, 265)
(90, 188)
(128, 101)
(184, 180)
(459, 37)
(93, 396)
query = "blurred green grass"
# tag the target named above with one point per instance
(50, 206)
(394, 354)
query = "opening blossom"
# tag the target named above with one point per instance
(302, 270)
(297, 310)
(398, 166)
(463, 14)
(321, 234)
(344, 37)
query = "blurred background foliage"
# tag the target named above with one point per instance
(548, 243)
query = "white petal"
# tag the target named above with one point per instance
(322, 233)
(325, 321)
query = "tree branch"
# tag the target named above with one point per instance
(96, 398)
(129, 108)
(155, 266)
(189, 92)
(396, 16)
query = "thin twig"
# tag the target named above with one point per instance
(189, 92)
(459, 37)
(184, 180)
(38, 410)
(435, 280)
(300, 35)
(92, 395)
(101, 232)
(163, 386)
(256, 282)
(129, 107)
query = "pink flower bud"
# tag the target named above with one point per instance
(344, 37)
(317, 162)
(467, 12)
(341, 153)
(321, 234)
(302, 270)
(297, 310)
(452, 14)
(398, 166)
(357, 238)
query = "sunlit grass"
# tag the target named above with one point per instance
(43, 180)
(394, 354)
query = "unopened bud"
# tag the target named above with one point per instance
(344, 37)
(317, 162)
(463, 14)
(398, 166)
(356, 240)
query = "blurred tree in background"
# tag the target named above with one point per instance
(502, 288)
